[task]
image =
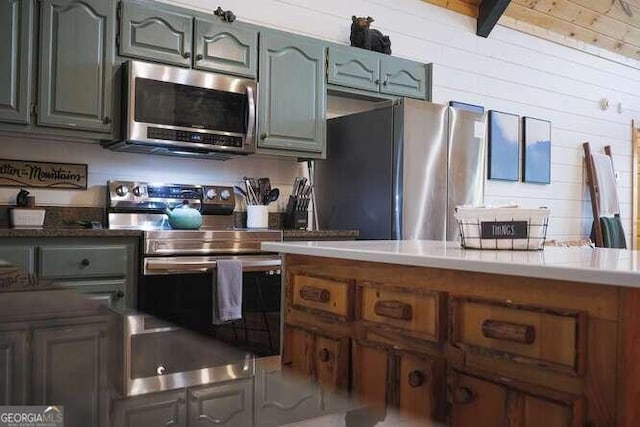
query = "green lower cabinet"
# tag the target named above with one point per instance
(76, 59)
(283, 399)
(110, 292)
(22, 256)
(154, 410)
(14, 366)
(292, 101)
(229, 404)
(70, 369)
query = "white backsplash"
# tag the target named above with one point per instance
(104, 165)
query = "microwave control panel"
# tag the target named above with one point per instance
(197, 137)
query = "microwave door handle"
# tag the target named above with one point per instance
(251, 116)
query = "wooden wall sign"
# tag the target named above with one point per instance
(20, 173)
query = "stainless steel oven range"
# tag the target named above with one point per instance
(178, 267)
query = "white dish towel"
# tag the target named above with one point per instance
(607, 195)
(227, 291)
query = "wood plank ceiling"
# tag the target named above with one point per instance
(613, 25)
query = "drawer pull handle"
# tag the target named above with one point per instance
(85, 262)
(507, 331)
(311, 293)
(416, 378)
(324, 355)
(463, 395)
(393, 309)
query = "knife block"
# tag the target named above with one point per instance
(295, 219)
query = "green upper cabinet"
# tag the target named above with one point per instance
(402, 77)
(15, 57)
(356, 68)
(226, 48)
(292, 101)
(375, 72)
(147, 31)
(76, 64)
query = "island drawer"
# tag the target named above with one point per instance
(544, 337)
(322, 295)
(58, 262)
(417, 313)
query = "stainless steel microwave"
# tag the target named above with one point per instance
(183, 112)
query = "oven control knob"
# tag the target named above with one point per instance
(211, 194)
(122, 190)
(225, 194)
(137, 191)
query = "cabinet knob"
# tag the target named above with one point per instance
(106, 120)
(85, 262)
(263, 136)
(377, 81)
(416, 378)
(463, 395)
(119, 294)
(324, 355)
(186, 55)
(160, 370)
(199, 57)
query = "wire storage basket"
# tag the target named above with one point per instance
(508, 228)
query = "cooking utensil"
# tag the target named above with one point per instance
(272, 196)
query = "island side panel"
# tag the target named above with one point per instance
(599, 303)
(629, 364)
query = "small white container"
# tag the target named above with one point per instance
(257, 216)
(27, 217)
(472, 222)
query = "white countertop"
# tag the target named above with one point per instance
(580, 264)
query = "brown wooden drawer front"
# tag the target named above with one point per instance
(322, 295)
(545, 337)
(415, 312)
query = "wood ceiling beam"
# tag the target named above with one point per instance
(488, 14)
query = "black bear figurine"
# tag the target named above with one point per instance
(366, 38)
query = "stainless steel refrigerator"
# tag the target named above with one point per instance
(398, 170)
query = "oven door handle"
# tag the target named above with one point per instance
(174, 266)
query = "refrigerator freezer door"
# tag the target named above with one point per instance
(354, 184)
(424, 196)
(466, 169)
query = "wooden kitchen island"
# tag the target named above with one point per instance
(468, 337)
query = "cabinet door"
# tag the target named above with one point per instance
(149, 32)
(15, 60)
(332, 363)
(370, 385)
(473, 399)
(20, 256)
(283, 399)
(227, 48)
(297, 352)
(111, 293)
(292, 97)
(543, 413)
(70, 369)
(403, 77)
(354, 68)
(76, 64)
(158, 410)
(13, 367)
(422, 387)
(229, 404)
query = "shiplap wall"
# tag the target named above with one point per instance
(509, 71)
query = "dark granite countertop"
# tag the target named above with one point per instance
(67, 232)
(320, 234)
